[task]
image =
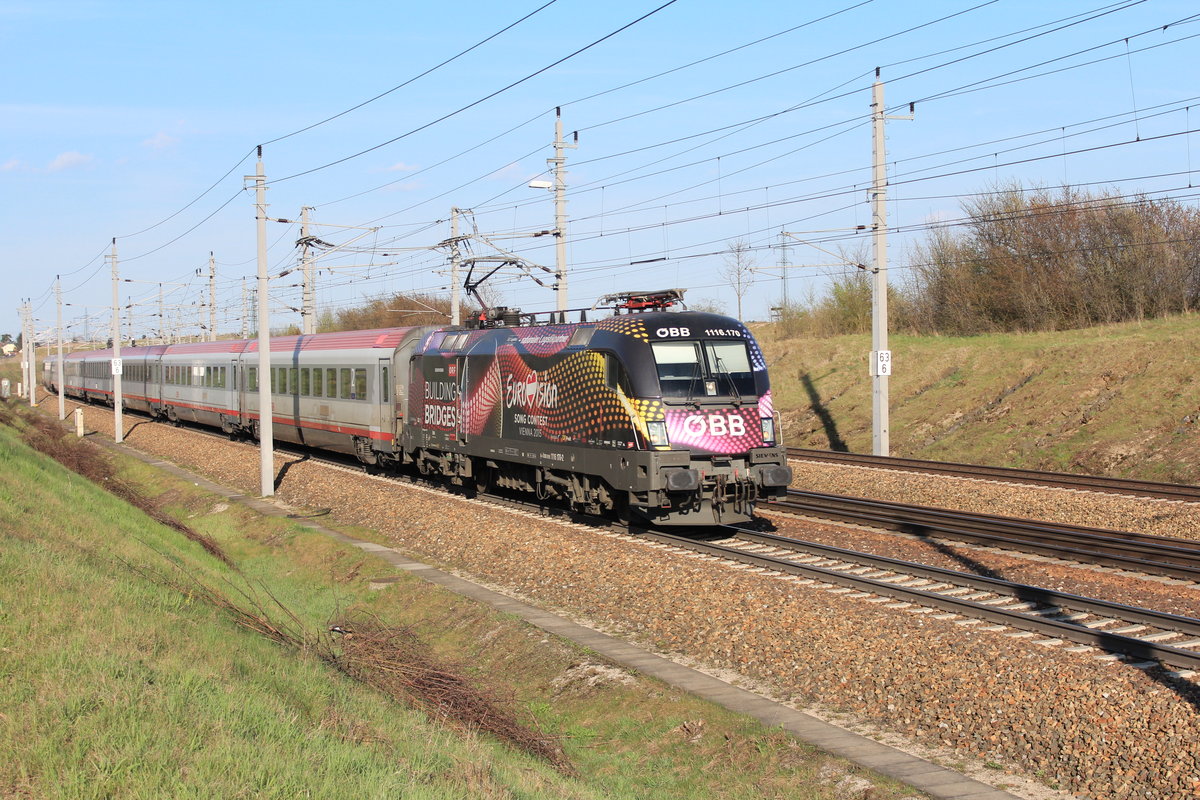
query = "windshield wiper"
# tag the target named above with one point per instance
(721, 370)
(692, 383)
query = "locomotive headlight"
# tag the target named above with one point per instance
(768, 430)
(657, 431)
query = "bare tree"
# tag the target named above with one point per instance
(1046, 260)
(739, 270)
(707, 304)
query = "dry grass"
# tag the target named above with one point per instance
(86, 459)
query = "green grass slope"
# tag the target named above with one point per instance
(1116, 400)
(117, 680)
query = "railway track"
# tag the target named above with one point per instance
(1062, 480)
(1176, 558)
(1142, 635)
(1150, 637)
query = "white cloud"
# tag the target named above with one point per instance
(68, 160)
(400, 166)
(160, 141)
(10, 165)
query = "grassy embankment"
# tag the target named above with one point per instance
(1115, 400)
(117, 683)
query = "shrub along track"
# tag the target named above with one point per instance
(975, 692)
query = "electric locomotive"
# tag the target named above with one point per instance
(663, 414)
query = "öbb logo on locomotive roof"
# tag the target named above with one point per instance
(663, 333)
(715, 425)
(529, 393)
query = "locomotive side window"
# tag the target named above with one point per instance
(615, 376)
(679, 370)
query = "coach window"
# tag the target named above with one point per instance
(360, 384)
(344, 377)
(252, 380)
(305, 382)
(221, 377)
(383, 384)
(318, 382)
(331, 382)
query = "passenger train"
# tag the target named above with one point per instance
(662, 414)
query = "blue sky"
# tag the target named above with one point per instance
(138, 120)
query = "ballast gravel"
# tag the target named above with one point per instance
(1094, 727)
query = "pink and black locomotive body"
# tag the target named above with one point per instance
(666, 414)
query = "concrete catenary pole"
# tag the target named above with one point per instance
(58, 376)
(881, 356)
(26, 339)
(212, 297)
(308, 306)
(266, 429)
(558, 164)
(880, 443)
(245, 312)
(118, 399)
(455, 258)
(32, 383)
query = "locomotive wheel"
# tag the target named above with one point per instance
(484, 478)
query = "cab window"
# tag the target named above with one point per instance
(729, 363)
(679, 368)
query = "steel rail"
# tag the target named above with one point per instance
(1094, 483)
(1179, 558)
(1112, 642)
(1038, 622)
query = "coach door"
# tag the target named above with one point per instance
(460, 422)
(382, 419)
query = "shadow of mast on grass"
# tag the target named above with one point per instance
(836, 443)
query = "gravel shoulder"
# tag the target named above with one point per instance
(1094, 728)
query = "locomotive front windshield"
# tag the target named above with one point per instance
(703, 369)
